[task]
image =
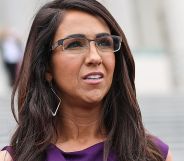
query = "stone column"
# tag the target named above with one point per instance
(174, 18)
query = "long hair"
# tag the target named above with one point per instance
(121, 114)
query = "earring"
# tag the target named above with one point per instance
(55, 112)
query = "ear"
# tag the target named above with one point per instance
(48, 75)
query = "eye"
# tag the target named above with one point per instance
(105, 42)
(74, 43)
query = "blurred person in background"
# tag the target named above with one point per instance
(76, 92)
(11, 49)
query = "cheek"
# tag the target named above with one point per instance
(110, 64)
(65, 70)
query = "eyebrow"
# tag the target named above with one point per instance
(76, 36)
(84, 36)
(102, 34)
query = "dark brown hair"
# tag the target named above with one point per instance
(121, 114)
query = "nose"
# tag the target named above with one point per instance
(93, 57)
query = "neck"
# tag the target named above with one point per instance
(80, 124)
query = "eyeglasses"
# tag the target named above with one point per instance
(80, 44)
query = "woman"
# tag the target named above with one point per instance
(76, 93)
(10, 46)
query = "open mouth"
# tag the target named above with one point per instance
(93, 76)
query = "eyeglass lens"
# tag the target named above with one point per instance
(79, 44)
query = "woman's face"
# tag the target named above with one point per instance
(83, 77)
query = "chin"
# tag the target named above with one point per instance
(95, 99)
(94, 96)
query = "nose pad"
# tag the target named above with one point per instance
(93, 56)
(92, 44)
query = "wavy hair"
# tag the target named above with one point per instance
(121, 114)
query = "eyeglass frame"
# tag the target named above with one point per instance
(60, 42)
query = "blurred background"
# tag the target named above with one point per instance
(155, 32)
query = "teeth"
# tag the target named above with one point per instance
(94, 77)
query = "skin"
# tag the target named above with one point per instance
(169, 156)
(5, 156)
(81, 99)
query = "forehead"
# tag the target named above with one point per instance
(78, 22)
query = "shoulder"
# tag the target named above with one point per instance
(5, 156)
(169, 156)
(164, 148)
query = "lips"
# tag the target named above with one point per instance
(93, 76)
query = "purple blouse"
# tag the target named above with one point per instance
(93, 153)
